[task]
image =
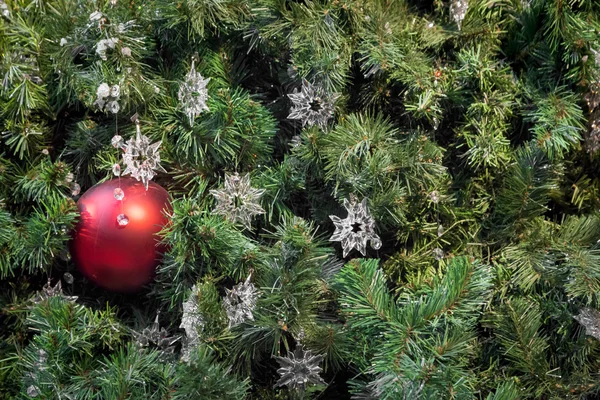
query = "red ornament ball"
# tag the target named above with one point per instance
(115, 243)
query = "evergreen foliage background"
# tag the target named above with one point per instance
(477, 141)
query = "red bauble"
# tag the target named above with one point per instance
(116, 257)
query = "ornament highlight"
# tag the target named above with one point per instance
(299, 369)
(238, 201)
(240, 302)
(313, 105)
(193, 94)
(356, 229)
(117, 256)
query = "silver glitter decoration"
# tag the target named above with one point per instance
(68, 277)
(192, 322)
(157, 337)
(122, 220)
(434, 197)
(49, 291)
(356, 229)
(299, 369)
(141, 158)
(313, 105)
(126, 51)
(238, 201)
(193, 94)
(458, 11)
(590, 320)
(438, 254)
(107, 98)
(240, 302)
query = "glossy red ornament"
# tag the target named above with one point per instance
(116, 257)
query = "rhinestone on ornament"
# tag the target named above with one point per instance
(356, 229)
(122, 220)
(238, 201)
(458, 11)
(299, 369)
(313, 105)
(193, 94)
(141, 158)
(119, 194)
(240, 302)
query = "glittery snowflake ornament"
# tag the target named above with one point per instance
(590, 319)
(238, 201)
(356, 229)
(240, 302)
(193, 94)
(313, 105)
(299, 369)
(141, 158)
(458, 11)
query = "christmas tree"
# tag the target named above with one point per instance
(270, 199)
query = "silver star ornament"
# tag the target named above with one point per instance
(356, 229)
(238, 201)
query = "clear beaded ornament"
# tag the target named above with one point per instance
(313, 105)
(590, 320)
(192, 322)
(238, 201)
(193, 94)
(141, 158)
(299, 369)
(240, 302)
(356, 229)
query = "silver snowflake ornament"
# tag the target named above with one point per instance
(356, 229)
(458, 11)
(49, 291)
(299, 369)
(141, 158)
(193, 94)
(313, 105)
(157, 337)
(590, 319)
(238, 201)
(239, 303)
(192, 323)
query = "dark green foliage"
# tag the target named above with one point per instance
(469, 143)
